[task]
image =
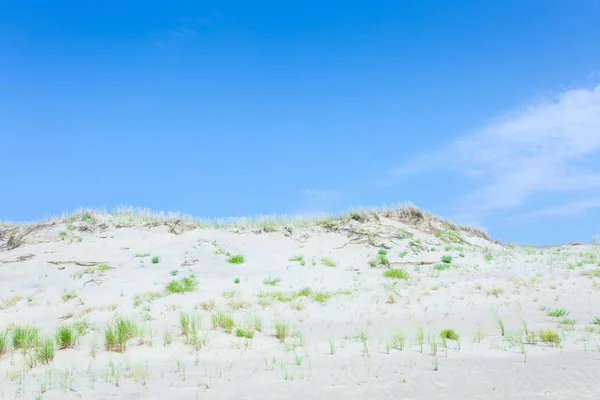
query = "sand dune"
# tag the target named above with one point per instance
(387, 304)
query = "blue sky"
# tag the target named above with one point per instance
(482, 112)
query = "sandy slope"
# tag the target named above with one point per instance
(360, 319)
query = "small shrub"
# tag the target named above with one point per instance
(247, 333)
(446, 259)
(449, 334)
(236, 281)
(382, 252)
(396, 273)
(174, 272)
(488, 257)
(237, 259)
(155, 260)
(549, 337)
(328, 262)
(596, 321)
(66, 336)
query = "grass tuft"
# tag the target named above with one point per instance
(272, 281)
(118, 333)
(155, 260)
(246, 333)
(549, 337)
(396, 273)
(557, 312)
(449, 334)
(183, 285)
(66, 336)
(45, 351)
(328, 262)
(237, 259)
(282, 330)
(25, 337)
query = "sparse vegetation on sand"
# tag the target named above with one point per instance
(306, 306)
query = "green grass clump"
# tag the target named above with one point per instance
(549, 337)
(246, 333)
(321, 297)
(45, 351)
(222, 320)
(118, 333)
(282, 330)
(488, 257)
(236, 281)
(141, 255)
(25, 337)
(328, 262)
(155, 260)
(305, 291)
(441, 267)
(68, 296)
(449, 334)
(237, 259)
(272, 281)
(183, 285)
(3, 343)
(297, 258)
(396, 273)
(446, 259)
(495, 291)
(596, 321)
(66, 336)
(557, 312)
(381, 259)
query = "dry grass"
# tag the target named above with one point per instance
(179, 222)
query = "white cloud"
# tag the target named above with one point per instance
(549, 146)
(578, 207)
(317, 201)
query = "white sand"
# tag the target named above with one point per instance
(358, 319)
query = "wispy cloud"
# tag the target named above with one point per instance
(317, 201)
(182, 31)
(550, 146)
(578, 207)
